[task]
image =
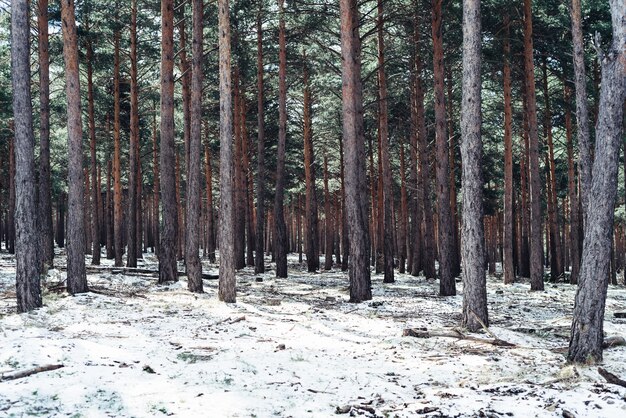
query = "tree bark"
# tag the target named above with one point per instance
(587, 325)
(353, 135)
(259, 261)
(556, 256)
(95, 186)
(280, 232)
(227, 290)
(383, 126)
(131, 257)
(404, 213)
(473, 235)
(45, 182)
(507, 265)
(28, 238)
(447, 286)
(155, 185)
(169, 233)
(534, 180)
(574, 205)
(311, 247)
(210, 226)
(76, 276)
(118, 213)
(194, 191)
(328, 223)
(585, 158)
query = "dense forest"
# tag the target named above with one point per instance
(465, 152)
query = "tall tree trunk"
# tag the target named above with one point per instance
(155, 185)
(167, 251)
(507, 265)
(473, 235)
(574, 205)
(11, 214)
(353, 135)
(76, 275)
(95, 186)
(587, 325)
(109, 214)
(328, 223)
(383, 122)
(118, 213)
(45, 182)
(87, 212)
(28, 238)
(456, 242)
(404, 212)
(208, 172)
(181, 185)
(280, 238)
(345, 243)
(194, 191)
(311, 248)
(227, 291)
(556, 256)
(259, 262)
(131, 258)
(534, 180)
(585, 158)
(447, 286)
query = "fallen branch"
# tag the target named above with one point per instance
(423, 333)
(611, 378)
(29, 372)
(613, 342)
(130, 271)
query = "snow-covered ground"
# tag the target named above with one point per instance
(295, 348)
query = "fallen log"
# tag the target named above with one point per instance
(29, 372)
(611, 378)
(137, 271)
(454, 333)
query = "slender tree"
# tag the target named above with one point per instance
(507, 247)
(445, 236)
(45, 182)
(280, 229)
(28, 239)
(585, 158)
(76, 275)
(192, 247)
(534, 180)
(311, 247)
(473, 235)
(168, 271)
(587, 333)
(259, 262)
(354, 146)
(133, 198)
(227, 285)
(574, 235)
(383, 126)
(95, 186)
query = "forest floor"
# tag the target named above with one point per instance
(295, 348)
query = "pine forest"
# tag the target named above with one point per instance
(310, 208)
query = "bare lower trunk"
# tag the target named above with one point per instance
(507, 247)
(45, 182)
(259, 263)
(227, 290)
(28, 240)
(311, 247)
(168, 236)
(587, 326)
(76, 276)
(194, 192)
(280, 229)
(447, 285)
(353, 135)
(473, 235)
(536, 251)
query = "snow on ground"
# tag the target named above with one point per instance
(295, 348)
